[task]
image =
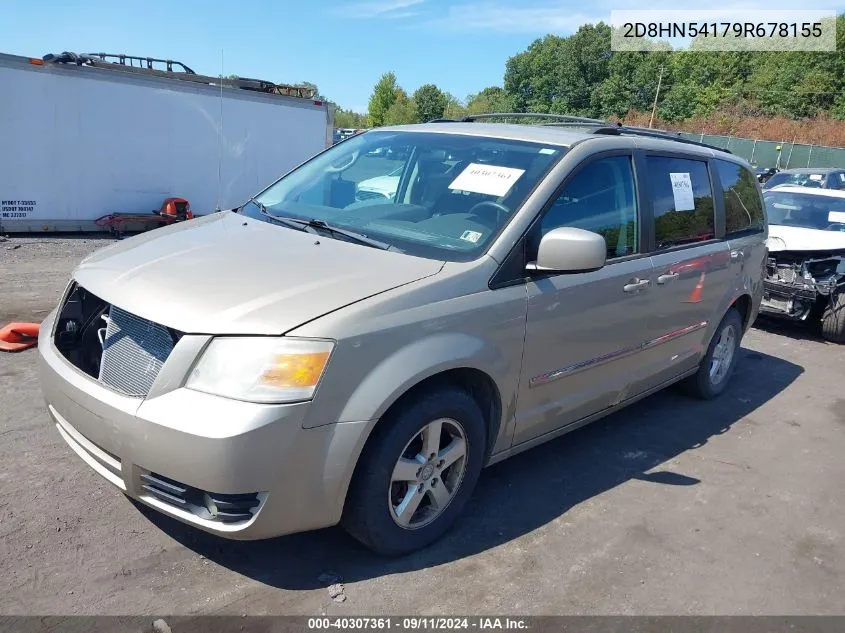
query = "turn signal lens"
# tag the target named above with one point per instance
(295, 370)
(261, 368)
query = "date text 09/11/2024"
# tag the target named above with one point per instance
(415, 623)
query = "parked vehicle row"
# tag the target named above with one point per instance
(816, 177)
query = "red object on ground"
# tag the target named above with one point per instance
(176, 209)
(17, 337)
(171, 210)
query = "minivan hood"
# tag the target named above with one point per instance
(227, 274)
(797, 238)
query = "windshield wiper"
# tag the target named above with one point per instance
(293, 223)
(315, 225)
(360, 238)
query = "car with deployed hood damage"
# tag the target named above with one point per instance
(805, 275)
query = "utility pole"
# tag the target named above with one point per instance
(656, 94)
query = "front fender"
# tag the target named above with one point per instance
(420, 360)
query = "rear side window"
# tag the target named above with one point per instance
(683, 201)
(743, 207)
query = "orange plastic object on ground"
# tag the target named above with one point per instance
(176, 209)
(17, 337)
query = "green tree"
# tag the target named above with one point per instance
(384, 95)
(579, 74)
(402, 111)
(796, 84)
(454, 108)
(560, 74)
(349, 119)
(632, 82)
(492, 99)
(680, 102)
(431, 102)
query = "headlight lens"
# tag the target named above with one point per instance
(775, 244)
(261, 369)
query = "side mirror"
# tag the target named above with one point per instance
(570, 250)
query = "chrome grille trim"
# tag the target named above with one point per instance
(134, 351)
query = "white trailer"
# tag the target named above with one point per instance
(80, 142)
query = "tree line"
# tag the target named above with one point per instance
(580, 75)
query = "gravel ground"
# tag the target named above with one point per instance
(34, 272)
(673, 506)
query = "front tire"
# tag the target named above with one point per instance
(833, 320)
(719, 362)
(417, 472)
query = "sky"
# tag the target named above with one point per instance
(343, 47)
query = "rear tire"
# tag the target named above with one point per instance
(718, 364)
(408, 487)
(833, 320)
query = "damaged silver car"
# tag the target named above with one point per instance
(805, 275)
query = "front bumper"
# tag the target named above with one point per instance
(785, 300)
(208, 443)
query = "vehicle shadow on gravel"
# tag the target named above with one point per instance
(798, 330)
(521, 494)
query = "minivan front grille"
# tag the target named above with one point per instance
(226, 508)
(121, 350)
(134, 351)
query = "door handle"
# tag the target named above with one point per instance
(736, 255)
(667, 278)
(635, 284)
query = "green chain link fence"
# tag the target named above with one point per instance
(766, 154)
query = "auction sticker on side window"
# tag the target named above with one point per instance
(490, 180)
(836, 216)
(816, 177)
(682, 191)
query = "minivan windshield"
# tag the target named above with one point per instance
(436, 195)
(807, 210)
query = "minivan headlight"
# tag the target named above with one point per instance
(260, 368)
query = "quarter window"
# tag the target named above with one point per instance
(743, 207)
(683, 201)
(599, 198)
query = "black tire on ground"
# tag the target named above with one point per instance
(833, 319)
(367, 513)
(701, 384)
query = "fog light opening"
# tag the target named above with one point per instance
(209, 504)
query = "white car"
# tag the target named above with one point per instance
(805, 277)
(380, 186)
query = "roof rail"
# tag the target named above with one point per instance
(593, 126)
(535, 115)
(618, 129)
(660, 134)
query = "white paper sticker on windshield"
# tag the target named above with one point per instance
(490, 180)
(471, 236)
(547, 150)
(836, 216)
(815, 176)
(682, 191)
